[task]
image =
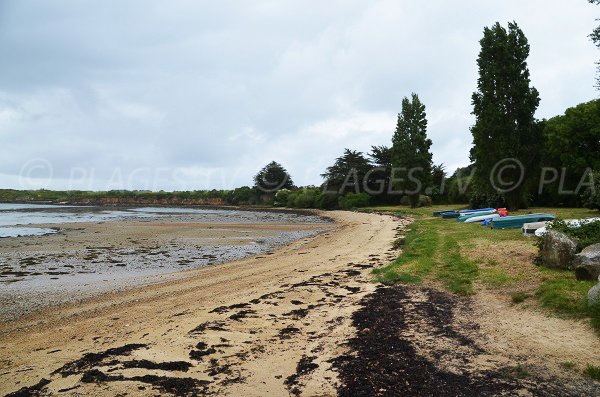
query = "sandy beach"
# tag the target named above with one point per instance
(242, 325)
(305, 319)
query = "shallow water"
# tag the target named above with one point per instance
(35, 272)
(25, 231)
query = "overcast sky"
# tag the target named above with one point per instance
(195, 94)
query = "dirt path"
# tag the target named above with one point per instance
(266, 325)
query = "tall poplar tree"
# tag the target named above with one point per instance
(504, 107)
(595, 36)
(411, 155)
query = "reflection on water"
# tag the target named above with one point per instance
(46, 214)
(43, 214)
(25, 231)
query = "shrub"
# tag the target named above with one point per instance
(482, 200)
(281, 198)
(424, 201)
(354, 200)
(585, 235)
(305, 199)
(327, 201)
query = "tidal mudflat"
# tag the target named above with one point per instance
(94, 250)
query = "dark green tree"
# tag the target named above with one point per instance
(504, 107)
(411, 156)
(347, 174)
(571, 147)
(379, 177)
(272, 178)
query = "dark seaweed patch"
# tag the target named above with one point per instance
(183, 366)
(384, 361)
(90, 360)
(304, 367)
(287, 332)
(165, 384)
(30, 391)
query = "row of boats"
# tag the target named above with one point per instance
(495, 218)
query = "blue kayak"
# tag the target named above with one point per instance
(517, 222)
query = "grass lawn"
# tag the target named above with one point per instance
(465, 258)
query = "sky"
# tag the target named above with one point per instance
(186, 95)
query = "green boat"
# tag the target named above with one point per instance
(450, 214)
(439, 213)
(517, 222)
(474, 214)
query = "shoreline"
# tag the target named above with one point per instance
(85, 259)
(162, 316)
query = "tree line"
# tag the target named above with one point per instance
(516, 159)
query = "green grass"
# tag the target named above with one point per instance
(495, 277)
(456, 272)
(568, 365)
(566, 296)
(425, 250)
(593, 372)
(516, 372)
(518, 297)
(448, 253)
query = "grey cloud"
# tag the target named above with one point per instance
(213, 91)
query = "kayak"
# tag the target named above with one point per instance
(439, 213)
(481, 218)
(450, 215)
(517, 222)
(464, 217)
(476, 210)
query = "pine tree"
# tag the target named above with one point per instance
(272, 178)
(411, 156)
(347, 174)
(504, 107)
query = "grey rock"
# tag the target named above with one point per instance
(587, 263)
(594, 294)
(558, 250)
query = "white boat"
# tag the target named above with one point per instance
(482, 218)
(529, 229)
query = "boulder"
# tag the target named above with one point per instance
(594, 294)
(558, 250)
(587, 263)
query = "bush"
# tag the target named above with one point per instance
(281, 198)
(354, 200)
(484, 200)
(306, 199)
(327, 201)
(424, 201)
(591, 197)
(585, 235)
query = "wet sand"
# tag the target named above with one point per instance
(85, 259)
